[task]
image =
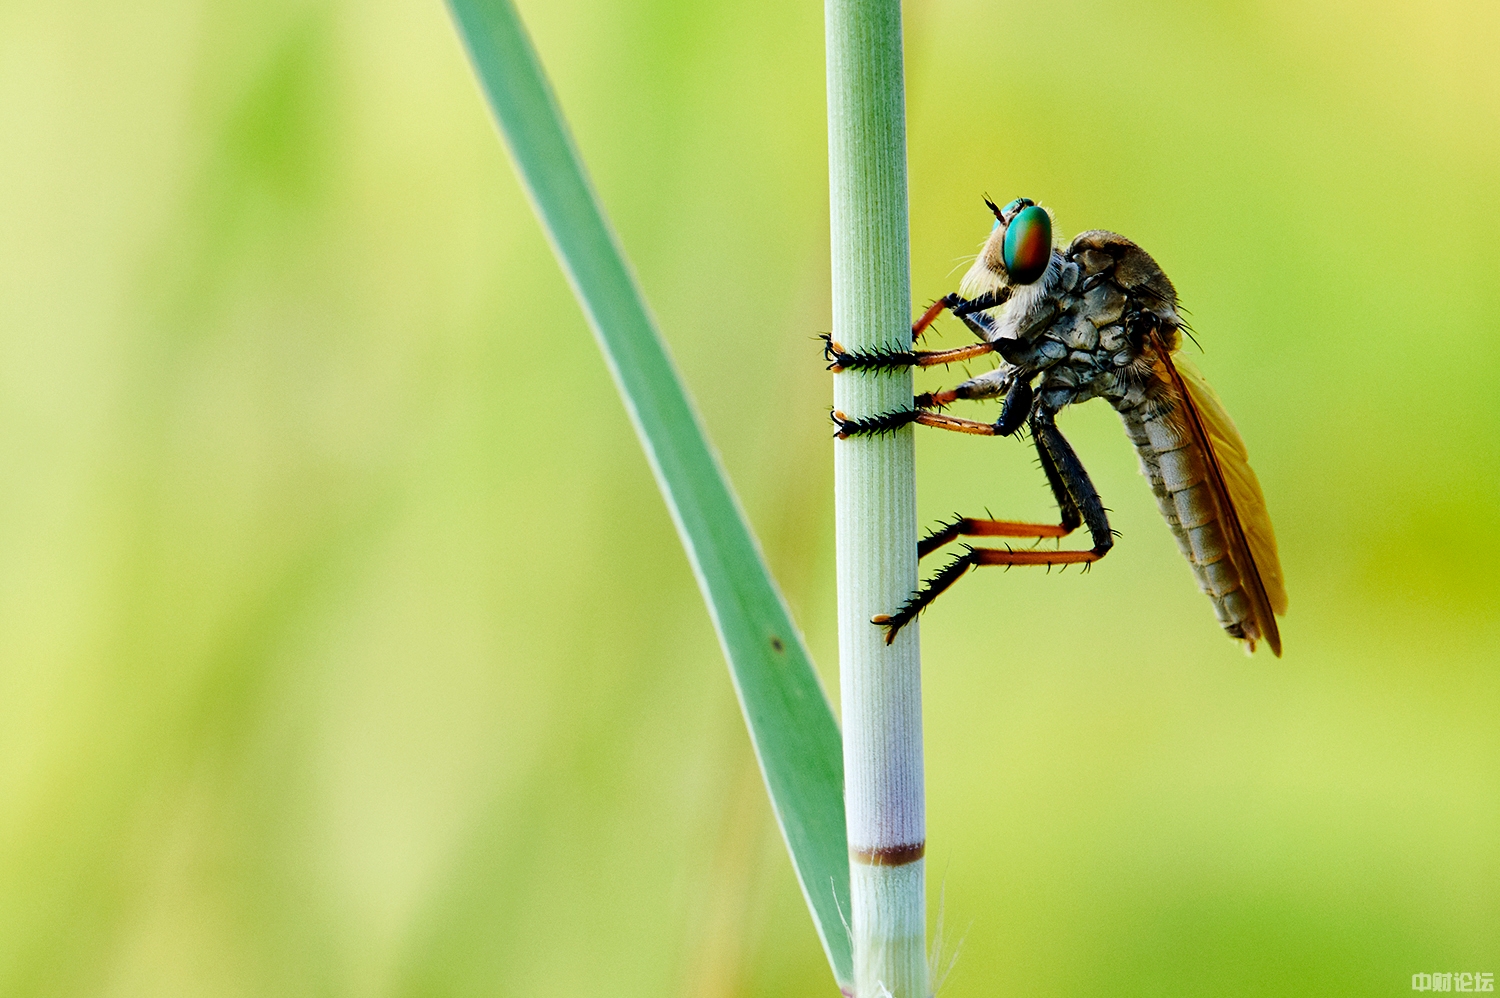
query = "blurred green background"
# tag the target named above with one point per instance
(346, 647)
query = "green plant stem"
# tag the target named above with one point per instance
(875, 497)
(791, 724)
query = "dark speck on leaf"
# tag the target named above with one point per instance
(776, 643)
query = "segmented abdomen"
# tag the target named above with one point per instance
(1178, 474)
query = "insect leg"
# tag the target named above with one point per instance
(1070, 483)
(967, 310)
(840, 359)
(932, 358)
(949, 300)
(1017, 406)
(1071, 518)
(886, 422)
(970, 313)
(1013, 382)
(972, 557)
(1077, 500)
(962, 308)
(968, 526)
(980, 326)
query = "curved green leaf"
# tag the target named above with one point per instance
(791, 724)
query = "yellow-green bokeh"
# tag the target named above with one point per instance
(347, 649)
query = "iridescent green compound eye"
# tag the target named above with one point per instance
(1028, 245)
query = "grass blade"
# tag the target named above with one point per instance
(791, 725)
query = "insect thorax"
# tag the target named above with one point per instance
(1083, 327)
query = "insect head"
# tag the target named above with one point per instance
(1026, 246)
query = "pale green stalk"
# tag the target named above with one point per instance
(875, 497)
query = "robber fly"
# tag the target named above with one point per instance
(1095, 320)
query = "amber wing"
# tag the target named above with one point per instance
(1236, 493)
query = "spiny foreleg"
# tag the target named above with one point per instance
(840, 359)
(967, 310)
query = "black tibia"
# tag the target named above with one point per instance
(959, 306)
(1070, 480)
(968, 312)
(1071, 518)
(1077, 501)
(1016, 407)
(981, 303)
